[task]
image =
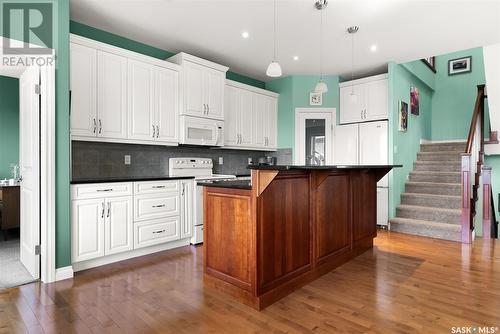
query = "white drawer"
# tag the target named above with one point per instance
(154, 187)
(156, 206)
(101, 190)
(156, 232)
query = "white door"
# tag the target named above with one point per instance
(314, 136)
(245, 120)
(382, 206)
(272, 123)
(259, 120)
(346, 144)
(373, 146)
(231, 116)
(187, 209)
(87, 229)
(214, 93)
(376, 100)
(167, 104)
(118, 230)
(112, 95)
(352, 104)
(140, 101)
(29, 146)
(194, 82)
(83, 109)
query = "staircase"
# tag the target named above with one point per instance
(431, 203)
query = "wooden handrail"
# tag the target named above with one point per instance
(478, 113)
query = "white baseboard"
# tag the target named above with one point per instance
(64, 273)
(79, 266)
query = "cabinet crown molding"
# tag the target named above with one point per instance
(183, 56)
(251, 88)
(383, 76)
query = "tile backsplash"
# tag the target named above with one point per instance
(91, 160)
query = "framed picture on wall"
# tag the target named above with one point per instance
(431, 63)
(403, 116)
(315, 99)
(414, 101)
(460, 65)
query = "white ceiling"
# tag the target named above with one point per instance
(403, 30)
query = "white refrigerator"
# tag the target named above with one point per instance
(365, 144)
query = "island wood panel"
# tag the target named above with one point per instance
(228, 242)
(333, 216)
(364, 205)
(284, 230)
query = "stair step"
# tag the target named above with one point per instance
(435, 176)
(438, 156)
(436, 188)
(441, 215)
(433, 147)
(430, 200)
(437, 166)
(426, 228)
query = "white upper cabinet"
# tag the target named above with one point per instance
(83, 62)
(202, 86)
(251, 117)
(112, 96)
(364, 100)
(121, 96)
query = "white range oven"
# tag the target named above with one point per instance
(202, 170)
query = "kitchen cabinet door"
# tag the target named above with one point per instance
(141, 101)
(232, 116)
(187, 208)
(87, 229)
(376, 101)
(83, 108)
(246, 125)
(118, 230)
(259, 120)
(166, 105)
(346, 145)
(214, 93)
(112, 95)
(373, 146)
(194, 82)
(352, 106)
(272, 123)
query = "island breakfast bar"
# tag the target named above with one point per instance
(289, 225)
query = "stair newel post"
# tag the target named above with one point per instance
(466, 198)
(487, 209)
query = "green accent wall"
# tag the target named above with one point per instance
(404, 146)
(9, 124)
(294, 93)
(453, 101)
(129, 44)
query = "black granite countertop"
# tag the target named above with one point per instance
(130, 179)
(307, 167)
(232, 184)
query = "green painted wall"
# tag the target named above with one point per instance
(404, 146)
(453, 101)
(9, 124)
(294, 93)
(126, 43)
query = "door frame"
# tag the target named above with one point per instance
(47, 154)
(300, 132)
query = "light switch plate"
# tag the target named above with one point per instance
(221, 160)
(128, 160)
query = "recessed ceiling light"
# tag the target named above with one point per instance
(245, 34)
(373, 48)
(295, 57)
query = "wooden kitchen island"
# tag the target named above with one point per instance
(291, 224)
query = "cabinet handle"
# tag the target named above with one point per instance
(157, 131)
(158, 187)
(208, 108)
(158, 232)
(104, 190)
(204, 108)
(109, 210)
(159, 206)
(183, 189)
(95, 126)
(102, 213)
(100, 126)
(365, 113)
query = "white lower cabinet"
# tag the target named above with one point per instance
(187, 208)
(149, 233)
(118, 228)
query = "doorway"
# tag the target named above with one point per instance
(314, 130)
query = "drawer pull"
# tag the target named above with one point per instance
(158, 232)
(104, 190)
(158, 187)
(159, 206)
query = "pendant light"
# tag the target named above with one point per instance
(352, 30)
(321, 86)
(274, 69)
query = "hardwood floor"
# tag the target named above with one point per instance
(406, 284)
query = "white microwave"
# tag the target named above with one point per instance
(201, 131)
